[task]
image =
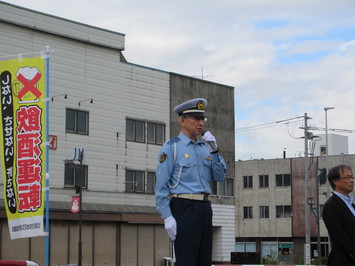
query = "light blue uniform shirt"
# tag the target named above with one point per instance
(192, 170)
(348, 201)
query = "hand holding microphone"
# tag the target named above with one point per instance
(210, 141)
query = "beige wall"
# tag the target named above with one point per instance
(255, 197)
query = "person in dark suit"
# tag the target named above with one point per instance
(339, 217)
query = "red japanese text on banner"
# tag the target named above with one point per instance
(21, 137)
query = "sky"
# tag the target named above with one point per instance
(285, 58)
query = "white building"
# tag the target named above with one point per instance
(337, 144)
(120, 114)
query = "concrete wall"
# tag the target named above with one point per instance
(220, 110)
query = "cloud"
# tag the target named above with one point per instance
(284, 58)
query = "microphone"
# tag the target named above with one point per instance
(210, 143)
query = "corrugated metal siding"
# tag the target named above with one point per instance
(59, 26)
(84, 66)
(224, 232)
(119, 90)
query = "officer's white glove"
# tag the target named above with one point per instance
(210, 141)
(170, 227)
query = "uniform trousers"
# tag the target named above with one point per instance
(193, 243)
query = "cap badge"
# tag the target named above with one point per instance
(162, 157)
(200, 105)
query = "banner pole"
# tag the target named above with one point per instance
(47, 157)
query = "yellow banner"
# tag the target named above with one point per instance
(23, 132)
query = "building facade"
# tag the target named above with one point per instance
(337, 144)
(120, 114)
(271, 204)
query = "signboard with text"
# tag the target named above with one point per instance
(22, 153)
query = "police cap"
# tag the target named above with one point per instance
(193, 107)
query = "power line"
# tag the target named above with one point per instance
(331, 129)
(270, 124)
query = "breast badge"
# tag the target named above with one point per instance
(163, 157)
(186, 155)
(208, 158)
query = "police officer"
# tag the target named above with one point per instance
(186, 166)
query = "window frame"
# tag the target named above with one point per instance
(225, 188)
(157, 140)
(245, 247)
(147, 181)
(247, 212)
(283, 178)
(135, 174)
(283, 213)
(76, 121)
(264, 212)
(262, 180)
(142, 131)
(248, 181)
(75, 170)
(135, 129)
(148, 184)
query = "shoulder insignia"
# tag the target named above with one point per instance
(163, 156)
(171, 141)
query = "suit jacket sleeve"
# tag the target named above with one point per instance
(340, 223)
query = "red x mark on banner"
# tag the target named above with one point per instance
(29, 85)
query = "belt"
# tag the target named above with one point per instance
(200, 197)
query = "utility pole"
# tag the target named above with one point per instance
(318, 225)
(79, 189)
(307, 250)
(79, 183)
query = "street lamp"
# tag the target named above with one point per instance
(310, 201)
(326, 157)
(326, 144)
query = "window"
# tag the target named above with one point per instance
(323, 150)
(225, 188)
(229, 181)
(322, 176)
(155, 133)
(140, 181)
(248, 181)
(245, 247)
(77, 121)
(134, 181)
(150, 189)
(264, 211)
(263, 181)
(135, 130)
(283, 180)
(283, 211)
(75, 175)
(248, 212)
(269, 250)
